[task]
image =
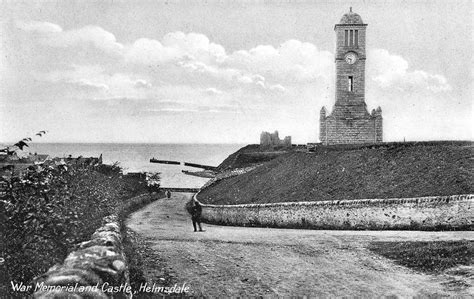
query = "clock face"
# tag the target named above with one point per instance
(351, 58)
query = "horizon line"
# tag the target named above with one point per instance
(122, 142)
(206, 143)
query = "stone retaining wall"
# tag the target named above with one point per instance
(423, 213)
(97, 268)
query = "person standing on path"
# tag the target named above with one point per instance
(196, 215)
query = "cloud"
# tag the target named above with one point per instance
(89, 35)
(174, 46)
(142, 84)
(39, 27)
(93, 77)
(181, 57)
(88, 84)
(193, 57)
(148, 51)
(54, 36)
(245, 79)
(292, 79)
(175, 110)
(277, 87)
(390, 71)
(195, 45)
(293, 61)
(213, 91)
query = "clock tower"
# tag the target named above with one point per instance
(350, 60)
(350, 122)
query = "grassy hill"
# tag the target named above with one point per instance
(352, 172)
(250, 155)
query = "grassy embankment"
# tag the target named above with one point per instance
(347, 172)
(250, 155)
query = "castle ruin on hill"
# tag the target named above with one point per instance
(349, 122)
(272, 140)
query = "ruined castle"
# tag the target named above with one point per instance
(272, 140)
(349, 121)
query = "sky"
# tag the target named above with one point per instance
(224, 71)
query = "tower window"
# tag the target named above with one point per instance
(351, 83)
(351, 38)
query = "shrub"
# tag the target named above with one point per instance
(46, 211)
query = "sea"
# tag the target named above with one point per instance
(133, 157)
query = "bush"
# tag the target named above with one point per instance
(47, 211)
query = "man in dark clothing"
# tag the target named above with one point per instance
(196, 215)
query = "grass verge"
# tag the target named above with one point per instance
(429, 257)
(139, 254)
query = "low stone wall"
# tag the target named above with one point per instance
(423, 213)
(98, 268)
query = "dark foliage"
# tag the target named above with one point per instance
(46, 211)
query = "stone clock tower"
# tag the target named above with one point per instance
(349, 121)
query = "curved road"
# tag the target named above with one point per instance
(238, 261)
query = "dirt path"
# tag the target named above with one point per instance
(237, 261)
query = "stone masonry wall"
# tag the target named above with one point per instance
(423, 213)
(97, 268)
(96, 265)
(334, 130)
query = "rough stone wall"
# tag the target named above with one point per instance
(423, 213)
(97, 263)
(95, 267)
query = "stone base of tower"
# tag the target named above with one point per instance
(338, 128)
